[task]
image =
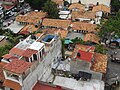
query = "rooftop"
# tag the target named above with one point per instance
(85, 55)
(76, 6)
(29, 52)
(87, 15)
(15, 27)
(28, 29)
(63, 33)
(100, 63)
(12, 84)
(1, 37)
(92, 37)
(8, 56)
(56, 23)
(43, 86)
(82, 48)
(17, 66)
(7, 7)
(17, 51)
(2, 64)
(39, 35)
(84, 26)
(59, 2)
(36, 46)
(101, 7)
(94, 2)
(73, 84)
(32, 17)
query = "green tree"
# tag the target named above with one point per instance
(36, 4)
(78, 41)
(111, 25)
(115, 5)
(66, 3)
(5, 49)
(51, 8)
(100, 49)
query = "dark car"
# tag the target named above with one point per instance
(115, 59)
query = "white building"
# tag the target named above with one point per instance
(105, 2)
(72, 84)
(30, 60)
(64, 15)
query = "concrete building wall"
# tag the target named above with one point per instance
(43, 67)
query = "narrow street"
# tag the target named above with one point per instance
(113, 72)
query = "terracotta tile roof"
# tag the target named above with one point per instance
(87, 15)
(12, 84)
(24, 32)
(92, 37)
(82, 48)
(39, 34)
(76, 6)
(31, 17)
(56, 23)
(17, 51)
(2, 64)
(85, 55)
(100, 63)
(101, 7)
(29, 29)
(10, 0)
(59, 2)
(7, 7)
(29, 52)
(84, 26)
(17, 66)
(41, 86)
(8, 56)
(63, 33)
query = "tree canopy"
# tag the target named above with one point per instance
(12, 41)
(111, 25)
(36, 4)
(51, 8)
(115, 5)
(100, 49)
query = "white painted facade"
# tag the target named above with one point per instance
(44, 66)
(41, 67)
(72, 84)
(86, 2)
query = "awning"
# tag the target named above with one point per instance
(12, 84)
(67, 41)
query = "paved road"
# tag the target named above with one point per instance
(113, 72)
(17, 13)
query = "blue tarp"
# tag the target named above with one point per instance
(117, 40)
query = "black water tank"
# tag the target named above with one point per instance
(78, 54)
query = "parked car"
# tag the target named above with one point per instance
(115, 59)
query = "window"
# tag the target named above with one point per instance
(11, 89)
(31, 59)
(40, 54)
(43, 51)
(15, 76)
(27, 59)
(35, 56)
